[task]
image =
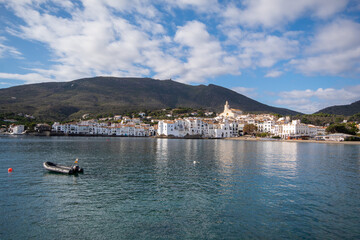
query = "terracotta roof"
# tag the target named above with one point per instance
(169, 122)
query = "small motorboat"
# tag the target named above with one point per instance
(53, 167)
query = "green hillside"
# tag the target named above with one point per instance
(346, 110)
(66, 100)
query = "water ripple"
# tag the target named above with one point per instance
(141, 188)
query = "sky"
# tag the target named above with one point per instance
(302, 55)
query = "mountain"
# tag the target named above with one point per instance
(66, 100)
(346, 110)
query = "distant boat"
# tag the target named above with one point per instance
(53, 167)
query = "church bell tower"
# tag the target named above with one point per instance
(226, 107)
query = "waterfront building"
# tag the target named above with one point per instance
(265, 126)
(207, 128)
(17, 129)
(125, 119)
(334, 137)
(94, 128)
(294, 129)
(230, 112)
(136, 120)
(230, 123)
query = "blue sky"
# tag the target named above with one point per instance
(303, 55)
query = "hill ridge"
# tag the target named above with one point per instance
(106, 94)
(346, 110)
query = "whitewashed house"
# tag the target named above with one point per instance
(95, 128)
(17, 129)
(117, 117)
(83, 129)
(313, 130)
(208, 128)
(294, 129)
(265, 126)
(167, 128)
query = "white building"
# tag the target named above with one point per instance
(171, 128)
(230, 112)
(17, 129)
(335, 137)
(265, 126)
(294, 129)
(207, 128)
(117, 117)
(94, 128)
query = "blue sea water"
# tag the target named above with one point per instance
(145, 188)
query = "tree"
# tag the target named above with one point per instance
(249, 129)
(277, 115)
(338, 119)
(355, 117)
(305, 120)
(349, 128)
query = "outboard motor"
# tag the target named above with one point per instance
(75, 168)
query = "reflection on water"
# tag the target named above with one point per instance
(144, 188)
(162, 151)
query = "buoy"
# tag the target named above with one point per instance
(10, 170)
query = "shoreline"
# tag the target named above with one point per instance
(193, 137)
(294, 141)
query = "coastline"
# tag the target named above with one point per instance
(193, 137)
(301, 141)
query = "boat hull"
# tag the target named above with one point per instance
(52, 167)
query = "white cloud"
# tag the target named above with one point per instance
(249, 92)
(206, 57)
(310, 101)
(267, 50)
(330, 94)
(339, 35)
(133, 38)
(277, 13)
(274, 74)
(143, 7)
(202, 6)
(96, 40)
(92, 41)
(331, 64)
(260, 49)
(29, 78)
(301, 105)
(334, 50)
(8, 51)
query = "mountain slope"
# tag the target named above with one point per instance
(65, 100)
(346, 110)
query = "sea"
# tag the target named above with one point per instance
(148, 188)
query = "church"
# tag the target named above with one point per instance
(230, 112)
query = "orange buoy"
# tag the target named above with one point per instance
(10, 170)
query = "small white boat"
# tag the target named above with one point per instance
(53, 167)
